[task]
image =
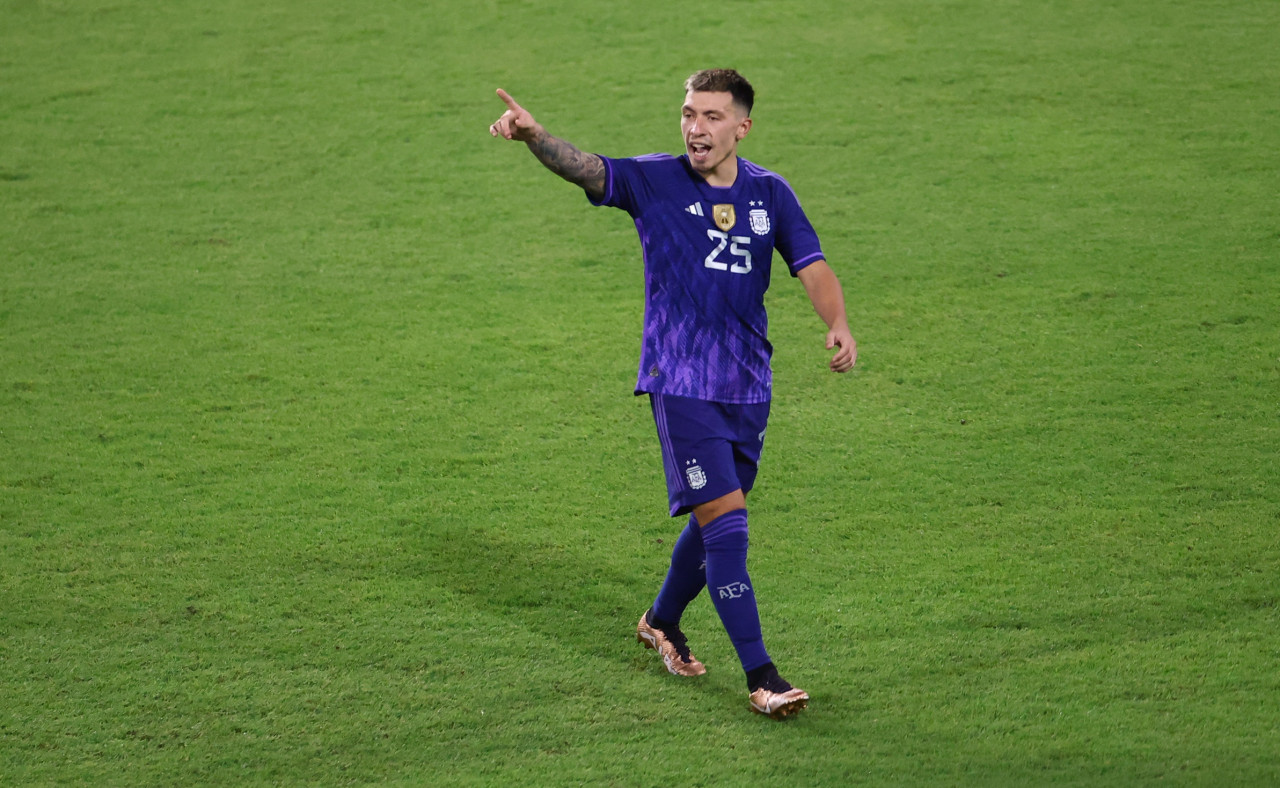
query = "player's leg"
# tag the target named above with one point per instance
(686, 577)
(659, 628)
(725, 536)
(682, 432)
(725, 540)
(698, 460)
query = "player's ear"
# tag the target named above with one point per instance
(743, 128)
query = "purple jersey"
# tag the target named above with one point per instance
(707, 254)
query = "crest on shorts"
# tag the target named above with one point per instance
(725, 217)
(759, 221)
(697, 478)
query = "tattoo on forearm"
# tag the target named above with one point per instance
(575, 166)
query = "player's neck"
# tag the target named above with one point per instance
(724, 175)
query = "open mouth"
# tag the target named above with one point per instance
(699, 151)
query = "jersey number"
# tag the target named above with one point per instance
(742, 263)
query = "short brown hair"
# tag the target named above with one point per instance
(723, 80)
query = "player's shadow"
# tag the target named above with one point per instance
(554, 589)
(581, 605)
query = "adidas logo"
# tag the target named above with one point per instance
(695, 209)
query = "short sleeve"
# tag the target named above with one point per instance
(795, 240)
(622, 185)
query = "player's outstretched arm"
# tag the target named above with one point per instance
(824, 290)
(584, 169)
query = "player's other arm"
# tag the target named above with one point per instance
(824, 290)
(562, 158)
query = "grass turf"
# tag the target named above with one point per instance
(318, 462)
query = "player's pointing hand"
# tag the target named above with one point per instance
(516, 123)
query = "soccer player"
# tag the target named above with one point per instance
(709, 223)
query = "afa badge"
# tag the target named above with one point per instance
(697, 478)
(759, 221)
(725, 217)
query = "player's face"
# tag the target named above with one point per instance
(712, 125)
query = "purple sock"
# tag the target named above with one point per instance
(685, 578)
(725, 540)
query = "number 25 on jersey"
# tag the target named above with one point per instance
(740, 256)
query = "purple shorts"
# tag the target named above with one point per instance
(709, 449)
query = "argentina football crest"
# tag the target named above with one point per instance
(759, 219)
(696, 476)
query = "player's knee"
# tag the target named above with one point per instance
(705, 513)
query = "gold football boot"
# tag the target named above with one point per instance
(779, 704)
(671, 645)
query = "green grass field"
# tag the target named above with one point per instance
(319, 462)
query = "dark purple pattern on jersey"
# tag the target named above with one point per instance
(705, 328)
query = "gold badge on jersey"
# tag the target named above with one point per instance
(725, 217)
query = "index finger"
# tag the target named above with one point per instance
(511, 103)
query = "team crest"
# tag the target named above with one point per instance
(725, 217)
(697, 478)
(759, 221)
